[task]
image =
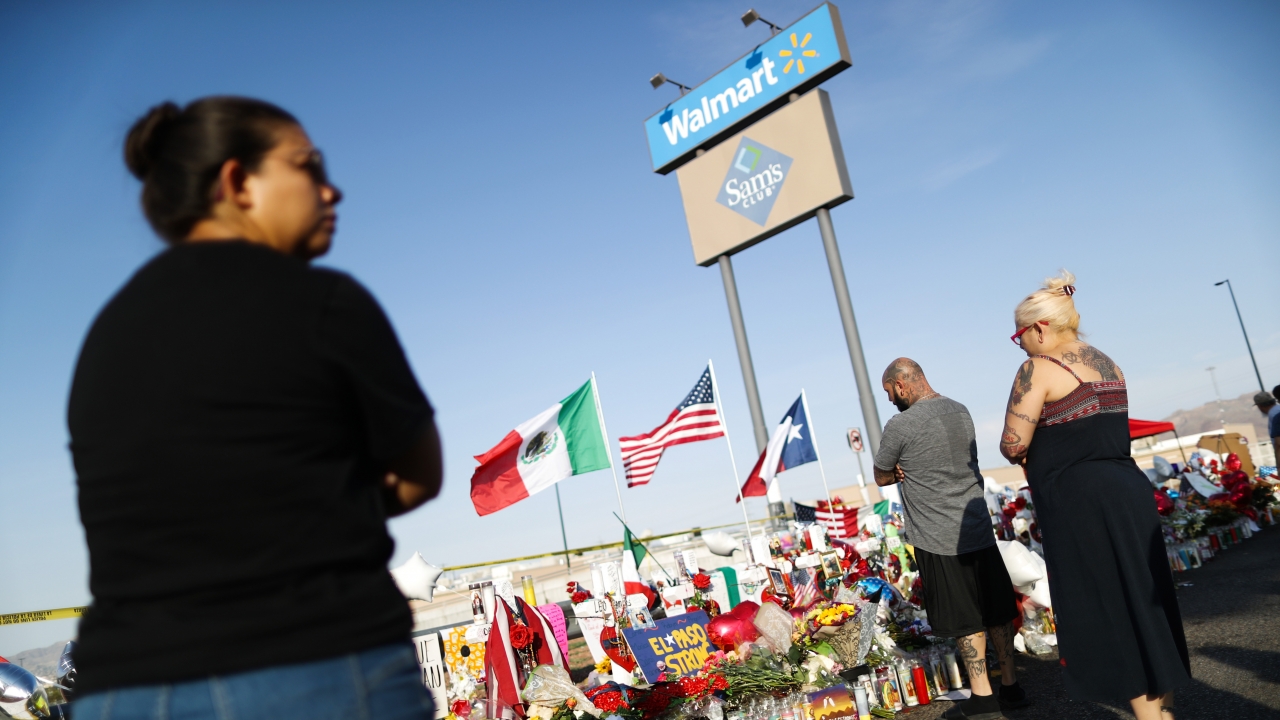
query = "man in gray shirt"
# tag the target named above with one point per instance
(930, 448)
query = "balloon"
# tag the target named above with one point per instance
(720, 543)
(1024, 566)
(1241, 495)
(733, 629)
(1233, 462)
(416, 578)
(1231, 479)
(746, 610)
(1164, 505)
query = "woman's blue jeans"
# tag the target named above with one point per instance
(384, 682)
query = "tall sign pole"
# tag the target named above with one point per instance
(744, 353)
(756, 151)
(870, 415)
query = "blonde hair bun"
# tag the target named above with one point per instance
(1063, 280)
(1052, 303)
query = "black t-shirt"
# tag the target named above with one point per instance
(232, 414)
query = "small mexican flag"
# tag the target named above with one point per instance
(561, 441)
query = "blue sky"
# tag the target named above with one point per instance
(500, 204)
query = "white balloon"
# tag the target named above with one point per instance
(416, 578)
(1163, 468)
(1040, 594)
(720, 543)
(1024, 566)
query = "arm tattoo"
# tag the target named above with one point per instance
(1021, 384)
(1094, 359)
(1009, 436)
(975, 665)
(1028, 418)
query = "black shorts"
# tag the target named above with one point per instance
(964, 594)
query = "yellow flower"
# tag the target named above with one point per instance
(605, 666)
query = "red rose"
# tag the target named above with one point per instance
(1020, 502)
(521, 636)
(691, 686)
(717, 682)
(608, 701)
(702, 581)
(580, 597)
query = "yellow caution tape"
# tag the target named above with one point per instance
(41, 615)
(75, 612)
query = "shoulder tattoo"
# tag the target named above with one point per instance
(1021, 384)
(1094, 359)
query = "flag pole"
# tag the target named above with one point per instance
(648, 554)
(563, 537)
(595, 393)
(737, 484)
(813, 437)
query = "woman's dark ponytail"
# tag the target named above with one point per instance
(177, 153)
(139, 146)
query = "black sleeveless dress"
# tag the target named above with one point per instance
(1119, 628)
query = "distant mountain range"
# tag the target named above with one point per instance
(41, 661)
(1208, 417)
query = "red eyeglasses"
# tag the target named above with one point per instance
(1017, 337)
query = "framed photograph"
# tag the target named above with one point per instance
(778, 583)
(831, 566)
(640, 617)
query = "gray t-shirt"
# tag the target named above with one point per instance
(933, 441)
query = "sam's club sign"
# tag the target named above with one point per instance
(754, 179)
(800, 57)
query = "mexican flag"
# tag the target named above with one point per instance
(561, 441)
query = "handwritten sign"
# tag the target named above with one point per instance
(431, 665)
(555, 616)
(676, 646)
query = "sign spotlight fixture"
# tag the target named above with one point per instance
(751, 16)
(659, 80)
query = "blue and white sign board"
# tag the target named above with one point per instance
(674, 648)
(802, 56)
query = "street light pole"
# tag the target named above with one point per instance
(1261, 387)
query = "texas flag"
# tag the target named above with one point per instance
(790, 446)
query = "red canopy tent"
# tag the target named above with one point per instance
(1147, 428)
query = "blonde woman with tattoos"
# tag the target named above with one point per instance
(1119, 629)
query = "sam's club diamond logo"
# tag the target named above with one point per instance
(754, 180)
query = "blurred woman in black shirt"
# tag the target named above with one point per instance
(242, 424)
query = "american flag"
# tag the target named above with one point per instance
(693, 419)
(841, 522)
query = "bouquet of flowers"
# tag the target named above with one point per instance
(577, 593)
(702, 583)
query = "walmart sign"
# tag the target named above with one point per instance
(800, 57)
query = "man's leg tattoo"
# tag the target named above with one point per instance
(1001, 638)
(975, 664)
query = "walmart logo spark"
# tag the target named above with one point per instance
(797, 48)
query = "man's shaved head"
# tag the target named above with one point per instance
(904, 369)
(905, 383)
